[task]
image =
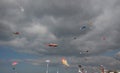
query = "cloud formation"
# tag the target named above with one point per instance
(41, 22)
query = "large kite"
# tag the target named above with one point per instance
(64, 62)
(52, 45)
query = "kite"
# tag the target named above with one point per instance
(83, 27)
(14, 64)
(74, 38)
(84, 51)
(52, 45)
(79, 66)
(64, 62)
(16, 33)
(86, 26)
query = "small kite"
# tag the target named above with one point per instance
(14, 63)
(74, 38)
(84, 51)
(52, 45)
(64, 62)
(83, 27)
(80, 66)
(16, 33)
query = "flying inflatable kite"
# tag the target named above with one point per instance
(14, 64)
(64, 62)
(53, 45)
(83, 27)
(86, 26)
(16, 33)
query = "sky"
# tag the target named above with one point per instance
(41, 22)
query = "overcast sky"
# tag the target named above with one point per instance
(41, 22)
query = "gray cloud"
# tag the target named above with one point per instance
(117, 56)
(59, 21)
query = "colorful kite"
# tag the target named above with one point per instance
(14, 63)
(52, 45)
(16, 33)
(64, 62)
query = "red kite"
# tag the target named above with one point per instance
(14, 63)
(64, 62)
(16, 33)
(52, 45)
